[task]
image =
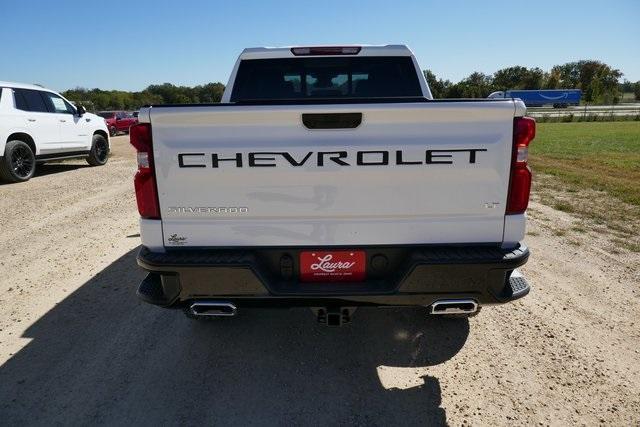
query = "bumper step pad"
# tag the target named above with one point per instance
(154, 291)
(515, 288)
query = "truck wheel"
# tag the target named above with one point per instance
(113, 131)
(99, 153)
(18, 163)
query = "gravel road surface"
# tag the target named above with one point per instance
(77, 347)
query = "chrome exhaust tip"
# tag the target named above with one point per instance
(213, 308)
(454, 306)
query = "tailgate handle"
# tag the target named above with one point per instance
(332, 120)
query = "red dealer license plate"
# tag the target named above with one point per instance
(332, 266)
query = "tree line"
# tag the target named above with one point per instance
(167, 93)
(598, 81)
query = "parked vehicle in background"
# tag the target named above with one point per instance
(39, 125)
(329, 178)
(135, 114)
(559, 98)
(118, 121)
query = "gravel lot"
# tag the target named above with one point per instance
(76, 346)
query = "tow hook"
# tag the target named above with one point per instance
(333, 316)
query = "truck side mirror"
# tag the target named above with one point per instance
(81, 110)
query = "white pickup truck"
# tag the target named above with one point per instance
(328, 177)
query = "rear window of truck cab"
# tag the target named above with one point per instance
(326, 77)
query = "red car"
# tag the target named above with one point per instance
(118, 121)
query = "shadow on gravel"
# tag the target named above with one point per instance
(100, 356)
(51, 168)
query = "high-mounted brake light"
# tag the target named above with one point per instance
(145, 179)
(524, 131)
(326, 50)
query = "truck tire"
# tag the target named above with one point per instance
(99, 153)
(18, 163)
(113, 131)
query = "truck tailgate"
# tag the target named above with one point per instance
(410, 173)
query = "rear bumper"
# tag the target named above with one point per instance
(411, 276)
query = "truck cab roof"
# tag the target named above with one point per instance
(288, 51)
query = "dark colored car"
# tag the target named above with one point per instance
(118, 121)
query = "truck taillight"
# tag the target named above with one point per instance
(145, 179)
(524, 130)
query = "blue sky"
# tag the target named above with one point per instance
(131, 44)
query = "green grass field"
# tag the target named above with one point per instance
(592, 155)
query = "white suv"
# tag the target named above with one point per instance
(39, 125)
